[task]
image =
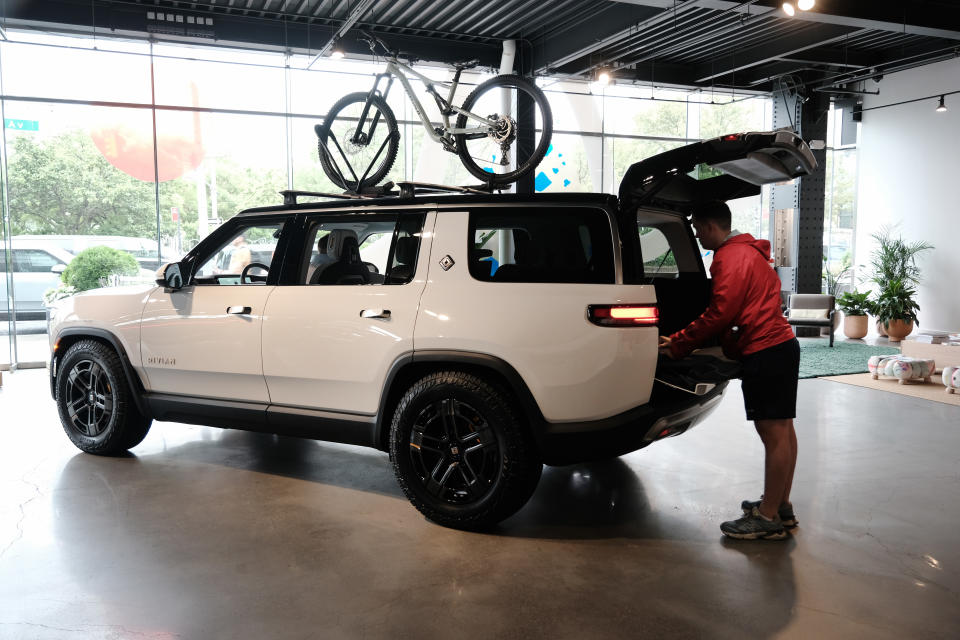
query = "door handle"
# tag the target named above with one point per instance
(238, 310)
(375, 313)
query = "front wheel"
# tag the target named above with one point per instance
(95, 401)
(460, 452)
(357, 142)
(504, 153)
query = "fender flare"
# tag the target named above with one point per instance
(440, 358)
(136, 386)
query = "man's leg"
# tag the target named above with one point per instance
(779, 442)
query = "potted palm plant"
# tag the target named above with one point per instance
(896, 309)
(855, 307)
(894, 260)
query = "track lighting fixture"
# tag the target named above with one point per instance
(336, 51)
(803, 5)
(942, 106)
(603, 76)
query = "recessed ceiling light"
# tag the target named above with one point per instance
(603, 76)
(788, 9)
(805, 5)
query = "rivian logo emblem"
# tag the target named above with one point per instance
(163, 362)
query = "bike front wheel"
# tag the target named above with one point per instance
(504, 152)
(358, 141)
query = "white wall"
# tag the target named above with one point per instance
(909, 173)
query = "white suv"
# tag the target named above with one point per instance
(474, 337)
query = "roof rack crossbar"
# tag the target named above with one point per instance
(290, 196)
(408, 189)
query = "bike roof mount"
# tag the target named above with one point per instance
(407, 189)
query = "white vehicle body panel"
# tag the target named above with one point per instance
(319, 353)
(190, 345)
(116, 310)
(576, 370)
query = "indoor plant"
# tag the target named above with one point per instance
(894, 260)
(896, 309)
(855, 307)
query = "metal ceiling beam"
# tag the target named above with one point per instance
(602, 30)
(786, 46)
(351, 20)
(914, 17)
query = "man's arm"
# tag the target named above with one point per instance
(729, 291)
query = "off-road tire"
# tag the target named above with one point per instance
(509, 480)
(524, 165)
(386, 161)
(119, 425)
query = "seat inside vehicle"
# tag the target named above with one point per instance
(347, 268)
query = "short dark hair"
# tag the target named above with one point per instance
(716, 212)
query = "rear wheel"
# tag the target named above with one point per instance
(460, 453)
(95, 402)
(370, 148)
(505, 153)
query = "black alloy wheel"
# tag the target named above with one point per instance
(455, 452)
(460, 451)
(96, 405)
(88, 398)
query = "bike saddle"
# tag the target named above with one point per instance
(468, 64)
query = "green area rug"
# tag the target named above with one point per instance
(817, 358)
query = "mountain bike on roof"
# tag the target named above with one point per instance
(359, 138)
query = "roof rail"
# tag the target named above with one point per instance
(409, 189)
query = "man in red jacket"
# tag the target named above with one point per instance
(744, 311)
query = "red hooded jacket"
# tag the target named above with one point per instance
(746, 294)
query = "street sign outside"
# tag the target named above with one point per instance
(21, 125)
(175, 214)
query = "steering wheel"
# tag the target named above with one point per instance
(252, 265)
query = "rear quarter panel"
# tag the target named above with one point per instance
(575, 370)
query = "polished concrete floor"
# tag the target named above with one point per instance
(203, 533)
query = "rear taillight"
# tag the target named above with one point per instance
(623, 315)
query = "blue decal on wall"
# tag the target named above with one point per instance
(566, 183)
(559, 155)
(549, 149)
(555, 170)
(564, 163)
(493, 158)
(488, 169)
(542, 182)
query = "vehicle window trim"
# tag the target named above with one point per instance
(213, 242)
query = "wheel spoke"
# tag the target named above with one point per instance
(474, 486)
(448, 412)
(91, 423)
(74, 379)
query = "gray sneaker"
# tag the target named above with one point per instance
(754, 527)
(785, 512)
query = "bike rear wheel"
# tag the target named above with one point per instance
(353, 156)
(482, 152)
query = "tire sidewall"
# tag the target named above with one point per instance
(392, 146)
(108, 438)
(496, 414)
(539, 153)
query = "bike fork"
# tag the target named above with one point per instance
(366, 107)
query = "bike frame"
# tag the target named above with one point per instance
(397, 69)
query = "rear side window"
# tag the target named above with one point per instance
(541, 244)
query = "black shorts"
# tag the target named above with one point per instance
(770, 382)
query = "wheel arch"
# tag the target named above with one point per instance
(73, 335)
(411, 367)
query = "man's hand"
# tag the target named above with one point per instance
(664, 347)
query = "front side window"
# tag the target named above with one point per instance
(33, 261)
(541, 244)
(243, 258)
(344, 249)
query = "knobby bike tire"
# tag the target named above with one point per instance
(385, 163)
(528, 164)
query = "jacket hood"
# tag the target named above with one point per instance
(761, 245)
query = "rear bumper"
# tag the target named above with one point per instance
(665, 416)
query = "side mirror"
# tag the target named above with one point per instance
(169, 276)
(58, 268)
